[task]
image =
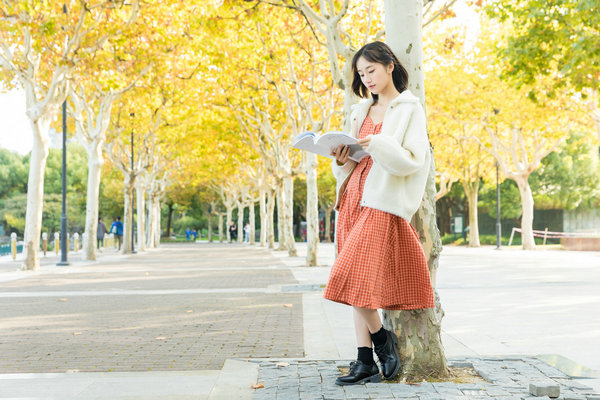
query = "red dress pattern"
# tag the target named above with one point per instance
(380, 262)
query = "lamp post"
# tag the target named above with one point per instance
(132, 115)
(498, 224)
(63, 220)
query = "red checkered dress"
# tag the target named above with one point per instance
(380, 262)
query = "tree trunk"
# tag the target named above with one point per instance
(327, 225)
(252, 217)
(527, 217)
(35, 195)
(312, 210)
(288, 216)
(419, 331)
(262, 206)
(471, 190)
(210, 223)
(141, 214)
(271, 218)
(220, 227)
(95, 162)
(281, 237)
(127, 218)
(157, 216)
(229, 213)
(240, 222)
(169, 218)
(150, 242)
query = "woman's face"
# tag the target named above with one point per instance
(376, 77)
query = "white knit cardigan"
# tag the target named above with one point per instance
(401, 154)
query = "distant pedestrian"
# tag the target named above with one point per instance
(101, 232)
(117, 229)
(188, 232)
(195, 234)
(232, 231)
(247, 232)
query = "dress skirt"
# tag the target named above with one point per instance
(380, 262)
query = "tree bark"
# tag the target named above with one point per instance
(527, 208)
(157, 216)
(220, 227)
(229, 213)
(281, 237)
(419, 331)
(252, 218)
(95, 163)
(471, 190)
(169, 218)
(262, 206)
(141, 215)
(240, 222)
(312, 210)
(271, 218)
(128, 214)
(288, 207)
(35, 194)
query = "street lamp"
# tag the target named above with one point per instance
(498, 224)
(64, 244)
(132, 115)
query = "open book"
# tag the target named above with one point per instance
(323, 144)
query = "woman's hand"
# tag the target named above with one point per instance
(341, 154)
(365, 142)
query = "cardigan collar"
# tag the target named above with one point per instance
(404, 97)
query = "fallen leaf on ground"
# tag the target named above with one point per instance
(161, 338)
(190, 311)
(282, 364)
(257, 386)
(63, 299)
(288, 305)
(76, 333)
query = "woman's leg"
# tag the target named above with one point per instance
(370, 320)
(386, 343)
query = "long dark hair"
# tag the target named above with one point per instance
(380, 53)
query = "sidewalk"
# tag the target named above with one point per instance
(502, 309)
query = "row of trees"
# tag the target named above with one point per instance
(214, 94)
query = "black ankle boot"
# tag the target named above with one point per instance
(388, 356)
(359, 373)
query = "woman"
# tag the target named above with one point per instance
(380, 262)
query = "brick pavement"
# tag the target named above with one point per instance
(106, 317)
(505, 379)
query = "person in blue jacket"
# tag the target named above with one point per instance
(117, 229)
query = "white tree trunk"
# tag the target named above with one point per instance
(288, 215)
(128, 214)
(262, 206)
(527, 217)
(281, 237)
(312, 209)
(157, 223)
(271, 199)
(151, 233)
(419, 332)
(95, 163)
(220, 227)
(471, 190)
(240, 222)
(229, 213)
(209, 216)
(328, 225)
(35, 194)
(141, 213)
(252, 220)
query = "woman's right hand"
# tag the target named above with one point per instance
(341, 154)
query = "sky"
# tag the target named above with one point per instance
(15, 131)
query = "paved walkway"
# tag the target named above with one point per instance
(195, 321)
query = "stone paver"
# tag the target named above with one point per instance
(108, 316)
(506, 379)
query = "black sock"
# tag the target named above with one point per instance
(365, 355)
(379, 337)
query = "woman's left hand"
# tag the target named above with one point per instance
(365, 142)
